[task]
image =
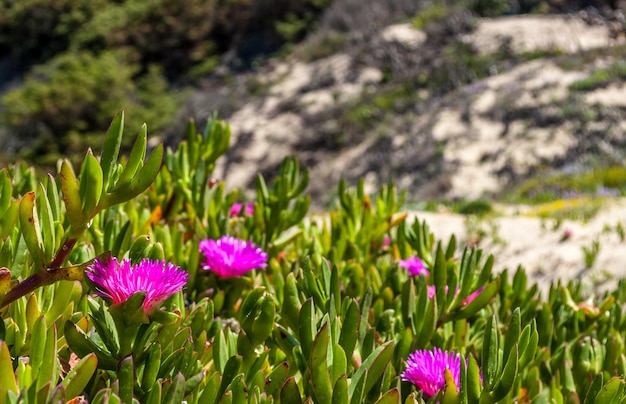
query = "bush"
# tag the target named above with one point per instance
(477, 207)
(33, 31)
(63, 104)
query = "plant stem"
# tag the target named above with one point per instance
(48, 277)
(63, 252)
(26, 286)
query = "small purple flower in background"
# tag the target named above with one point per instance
(432, 291)
(382, 247)
(235, 210)
(229, 256)
(415, 266)
(567, 234)
(425, 369)
(118, 281)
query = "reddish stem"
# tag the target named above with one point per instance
(41, 278)
(67, 247)
(26, 286)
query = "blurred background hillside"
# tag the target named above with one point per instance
(66, 67)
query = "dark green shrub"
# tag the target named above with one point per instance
(476, 207)
(67, 102)
(33, 31)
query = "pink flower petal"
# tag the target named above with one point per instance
(229, 256)
(117, 281)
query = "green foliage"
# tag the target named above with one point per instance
(596, 182)
(34, 31)
(431, 14)
(331, 319)
(491, 8)
(174, 35)
(61, 103)
(601, 77)
(476, 207)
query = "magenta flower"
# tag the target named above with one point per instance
(229, 256)
(415, 266)
(235, 210)
(118, 281)
(425, 369)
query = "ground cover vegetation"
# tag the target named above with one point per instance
(261, 300)
(138, 277)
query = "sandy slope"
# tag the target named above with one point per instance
(515, 238)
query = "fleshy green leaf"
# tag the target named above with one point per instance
(320, 379)
(71, 197)
(290, 393)
(29, 224)
(111, 148)
(7, 377)
(78, 377)
(91, 184)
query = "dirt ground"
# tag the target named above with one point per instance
(548, 250)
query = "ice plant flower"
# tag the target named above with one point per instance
(425, 369)
(415, 266)
(118, 281)
(229, 256)
(235, 210)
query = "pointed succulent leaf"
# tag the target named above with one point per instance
(340, 391)
(31, 231)
(82, 345)
(320, 379)
(450, 392)
(263, 324)
(231, 369)
(276, 378)
(126, 379)
(7, 376)
(49, 362)
(594, 389)
(307, 327)
(392, 396)
(612, 391)
(372, 368)
(176, 391)
(8, 218)
(350, 328)
(38, 344)
(490, 354)
(474, 381)
(507, 379)
(71, 197)
(290, 393)
(250, 308)
(91, 185)
(193, 382)
(135, 160)
(111, 148)
(291, 302)
(140, 182)
(78, 377)
(513, 332)
(339, 366)
(152, 366)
